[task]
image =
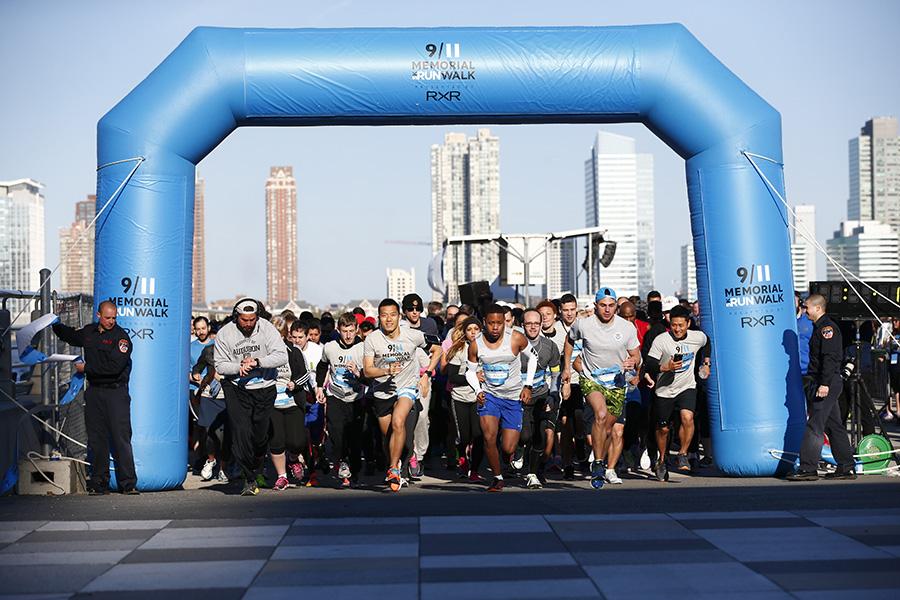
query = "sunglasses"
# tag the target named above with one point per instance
(412, 309)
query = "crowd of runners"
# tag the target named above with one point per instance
(495, 395)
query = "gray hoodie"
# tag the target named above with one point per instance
(264, 344)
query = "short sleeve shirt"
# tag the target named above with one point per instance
(604, 347)
(672, 383)
(342, 384)
(402, 349)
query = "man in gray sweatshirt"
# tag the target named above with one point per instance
(248, 352)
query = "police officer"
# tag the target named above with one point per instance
(823, 386)
(107, 405)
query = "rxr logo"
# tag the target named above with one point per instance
(451, 96)
(763, 321)
(140, 334)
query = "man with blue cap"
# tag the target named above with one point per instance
(610, 354)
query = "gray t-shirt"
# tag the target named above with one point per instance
(342, 384)
(604, 348)
(547, 364)
(672, 383)
(402, 349)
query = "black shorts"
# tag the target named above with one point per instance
(385, 406)
(664, 407)
(574, 404)
(895, 378)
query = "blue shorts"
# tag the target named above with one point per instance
(508, 411)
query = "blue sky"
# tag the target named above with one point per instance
(826, 66)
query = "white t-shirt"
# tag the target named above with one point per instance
(605, 347)
(671, 383)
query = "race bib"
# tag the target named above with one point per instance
(496, 374)
(541, 377)
(282, 399)
(610, 377)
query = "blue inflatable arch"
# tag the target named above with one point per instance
(659, 75)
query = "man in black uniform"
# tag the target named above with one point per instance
(107, 405)
(823, 386)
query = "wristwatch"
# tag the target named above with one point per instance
(527, 385)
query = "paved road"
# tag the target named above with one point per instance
(694, 537)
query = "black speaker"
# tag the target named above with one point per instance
(476, 293)
(844, 302)
(609, 252)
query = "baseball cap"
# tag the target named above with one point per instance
(604, 292)
(411, 301)
(669, 302)
(246, 306)
(359, 318)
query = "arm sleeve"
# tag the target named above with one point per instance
(532, 364)
(651, 364)
(205, 361)
(472, 376)
(453, 376)
(73, 337)
(321, 371)
(116, 361)
(223, 362)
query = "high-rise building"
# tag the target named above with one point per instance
(619, 198)
(281, 236)
(688, 273)
(867, 248)
(76, 250)
(400, 283)
(800, 267)
(875, 173)
(198, 265)
(562, 268)
(804, 218)
(21, 238)
(465, 200)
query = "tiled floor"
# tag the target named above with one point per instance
(803, 554)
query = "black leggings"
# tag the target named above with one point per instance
(345, 430)
(287, 431)
(468, 431)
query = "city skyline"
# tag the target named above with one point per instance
(823, 101)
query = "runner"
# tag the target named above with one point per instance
(315, 411)
(671, 362)
(341, 363)
(200, 327)
(412, 317)
(500, 397)
(287, 431)
(539, 421)
(209, 399)
(469, 439)
(389, 359)
(610, 356)
(571, 409)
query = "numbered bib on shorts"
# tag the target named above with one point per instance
(282, 399)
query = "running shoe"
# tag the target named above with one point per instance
(598, 472)
(206, 473)
(297, 471)
(313, 480)
(706, 461)
(496, 485)
(532, 482)
(250, 488)
(518, 460)
(683, 464)
(612, 477)
(462, 467)
(343, 471)
(662, 473)
(569, 473)
(222, 477)
(345, 483)
(415, 467)
(261, 481)
(280, 484)
(474, 477)
(393, 479)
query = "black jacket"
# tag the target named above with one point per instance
(107, 354)
(826, 349)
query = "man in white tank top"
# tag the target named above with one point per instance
(495, 373)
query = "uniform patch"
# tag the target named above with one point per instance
(123, 346)
(828, 332)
